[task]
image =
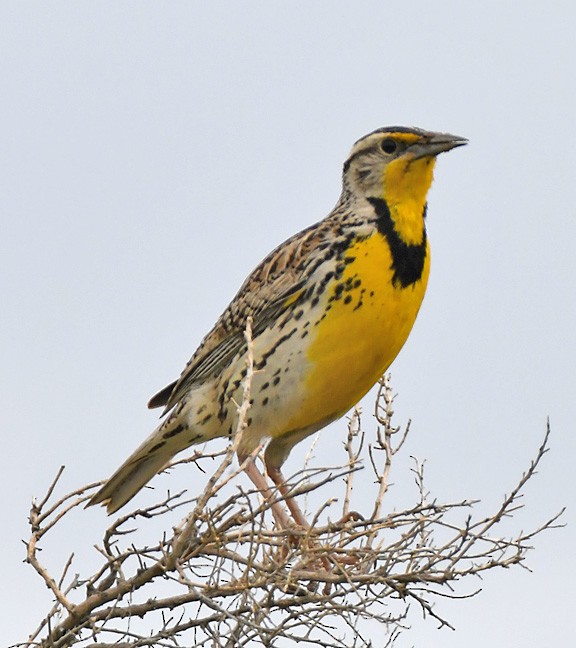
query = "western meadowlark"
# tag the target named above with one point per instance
(331, 307)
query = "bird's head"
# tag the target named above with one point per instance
(396, 164)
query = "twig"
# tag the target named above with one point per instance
(225, 577)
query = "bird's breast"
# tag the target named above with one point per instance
(357, 329)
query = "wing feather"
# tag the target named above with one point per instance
(275, 285)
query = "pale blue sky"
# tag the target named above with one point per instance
(152, 153)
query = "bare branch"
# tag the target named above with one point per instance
(226, 576)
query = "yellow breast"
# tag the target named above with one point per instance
(364, 322)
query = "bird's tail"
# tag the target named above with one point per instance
(137, 470)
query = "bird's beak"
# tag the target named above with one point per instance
(435, 143)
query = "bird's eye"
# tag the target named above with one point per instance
(389, 146)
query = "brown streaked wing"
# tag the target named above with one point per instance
(276, 284)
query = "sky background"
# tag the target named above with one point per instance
(152, 153)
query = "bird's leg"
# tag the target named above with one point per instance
(258, 479)
(275, 474)
(277, 477)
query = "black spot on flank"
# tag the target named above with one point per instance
(358, 305)
(276, 380)
(320, 319)
(304, 335)
(371, 293)
(265, 401)
(347, 299)
(314, 302)
(337, 293)
(407, 260)
(298, 315)
(265, 386)
(283, 321)
(249, 421)
(357, 283)
(174, 431)
(157, 446)
(222, 395)
(201, 409)
(349, 259)
(279, 369)
(206, 419)
(262, 363)
(325, 279)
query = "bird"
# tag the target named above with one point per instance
(329, 310)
